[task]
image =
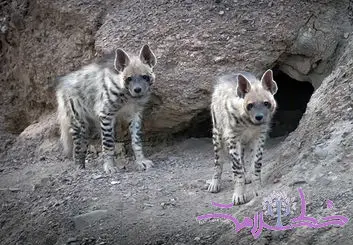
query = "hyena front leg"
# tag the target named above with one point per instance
(235, 151)
(215, 184)
(136, 144)
(247, 174)
(257, 149)
(108, 143)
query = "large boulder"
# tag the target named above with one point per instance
(194, 42)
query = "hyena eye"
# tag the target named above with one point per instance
(128, 79)
(146, 78)
(249, 106)
(267, 104)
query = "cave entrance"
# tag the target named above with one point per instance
(292, 98)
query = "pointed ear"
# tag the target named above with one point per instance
(121, 61)
(147, 56)
(268, 83)
(243, 86)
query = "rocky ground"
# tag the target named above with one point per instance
(46, 200)
(49, 201)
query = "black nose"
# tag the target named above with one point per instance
(137, 90)
(259, 117)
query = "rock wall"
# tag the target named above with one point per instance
(194, 42)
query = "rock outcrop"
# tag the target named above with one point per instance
(194, 43)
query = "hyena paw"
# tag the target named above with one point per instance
(240, 195)
(109, 167)
(144, 164)
(215, 186)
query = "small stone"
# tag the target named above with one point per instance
(14, 189)
(221, 12)
(115, 182)
(197, 239)
(346, 35)
(71, 240)
(218, 59)
(275, 180)
(87, 219)
(98, 176)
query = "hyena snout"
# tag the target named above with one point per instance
(138, 87)
(259, 117)
(137, 90)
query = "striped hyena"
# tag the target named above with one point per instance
(242, 108)
(92, 98)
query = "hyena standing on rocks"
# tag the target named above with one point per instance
(242, 108)
(92, 97)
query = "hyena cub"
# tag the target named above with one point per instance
(242, 108)
(92, 98)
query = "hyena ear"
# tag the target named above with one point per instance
(268, 83)
(121, 61)
(243, 86)
(147, 56)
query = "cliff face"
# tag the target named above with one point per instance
(194, 42)
(309, 41)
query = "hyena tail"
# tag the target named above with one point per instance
(65, 125)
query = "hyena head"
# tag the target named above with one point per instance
(137, 72)
(259, 102)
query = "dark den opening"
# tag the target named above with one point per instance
(292, 98)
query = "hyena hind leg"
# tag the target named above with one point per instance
(80, 143)
(215, 185)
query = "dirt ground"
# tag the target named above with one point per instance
(49, 201)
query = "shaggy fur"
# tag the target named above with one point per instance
(242, 108)
(94, 95)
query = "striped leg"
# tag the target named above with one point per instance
(135, 131)
(79, 137)
(80, 142)
(235, 151)
(258, 148)
(121, 144)
(107, 120)
(247, 173)
(218, 165)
